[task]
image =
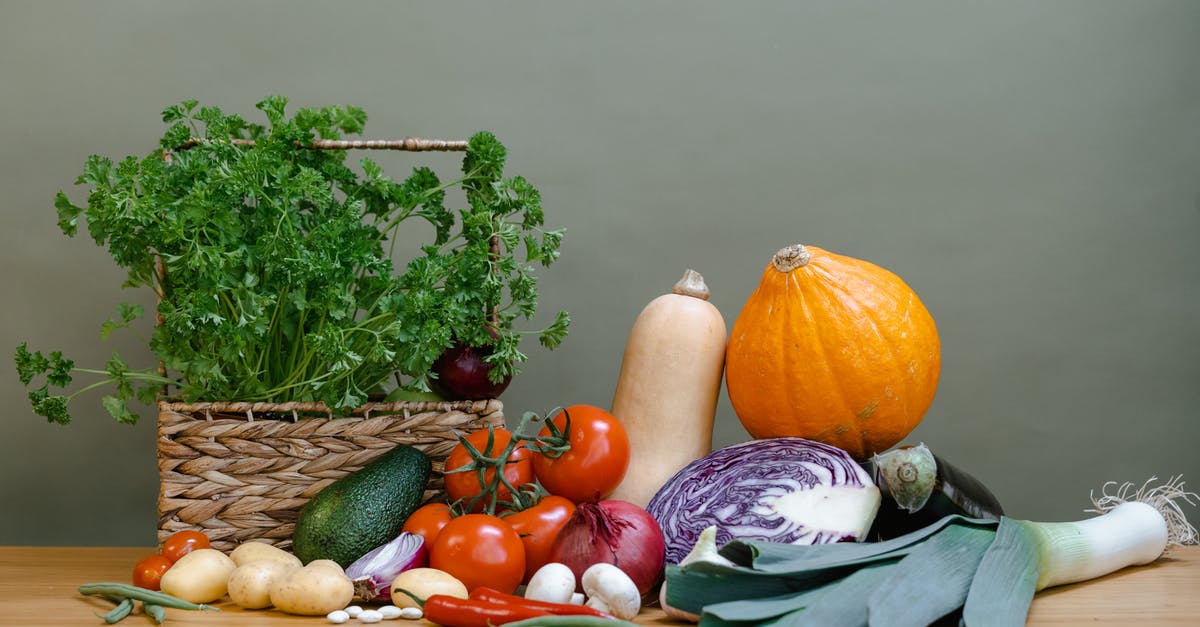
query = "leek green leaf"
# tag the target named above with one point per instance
(800, 560)
(844, 603)
(932, 580)
(1006, 579)
(695, 585)
(757, 610)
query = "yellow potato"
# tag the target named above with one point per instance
(250, 584)
(201, 576)
(314, 590)
(424, 583)
(330, 564)
(254, 551)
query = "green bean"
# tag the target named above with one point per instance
(154, 611)
(110, 588)
(119, 612)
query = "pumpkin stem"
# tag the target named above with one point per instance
(791, 257)
(692, 284)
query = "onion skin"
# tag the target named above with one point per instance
(462, 373)
(613, 532)
(373, 573)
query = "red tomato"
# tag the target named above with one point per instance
(428, 521)
(183, 542)
(538, 526)
(480, 550)
(465, 485)
(597, 461)
(148, 572)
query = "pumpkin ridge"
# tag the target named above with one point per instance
(819, 340)
(890, 342)
(790, 282)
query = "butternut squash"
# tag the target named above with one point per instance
(666, 394)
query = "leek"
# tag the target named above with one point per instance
(989, 570)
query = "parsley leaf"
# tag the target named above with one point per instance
(279, 283)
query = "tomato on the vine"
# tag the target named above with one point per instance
(538, 526)
(596, 462)
(480, 550)
(466, 485)
(427, 521)
(148, 572)
(183, 542)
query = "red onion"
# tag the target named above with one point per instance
(462, 373)
(373, 573)
(616, 532)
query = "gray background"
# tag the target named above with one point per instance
(1031, 169)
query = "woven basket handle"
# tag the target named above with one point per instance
(410, 144)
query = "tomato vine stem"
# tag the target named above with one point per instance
(488, 460)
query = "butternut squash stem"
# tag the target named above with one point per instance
(692, 284)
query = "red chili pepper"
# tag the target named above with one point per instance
(451, 611)
(561, 609)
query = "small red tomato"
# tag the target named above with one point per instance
(596, 462)
(538, 526)
(183, 542)
(428, 521)
(480, 550)
(466, 485)
(148, 572)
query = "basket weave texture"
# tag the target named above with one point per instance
(242, 471)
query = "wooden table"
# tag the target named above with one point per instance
(38, 587)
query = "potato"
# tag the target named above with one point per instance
(330, 564)
(254, 551)
(201, 576)
(250, 584)
(425, 582)
(314, 590)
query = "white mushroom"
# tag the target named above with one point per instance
(610, 590)
(578, 598)
(553, 582)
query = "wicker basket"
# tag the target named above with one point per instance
(242, 471)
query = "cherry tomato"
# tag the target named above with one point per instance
(597, 461)
(480, 550)
(183, 542)
(428, 521)
(148, 572)
(465, 485)
(538, 526)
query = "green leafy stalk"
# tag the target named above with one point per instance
(279, 283)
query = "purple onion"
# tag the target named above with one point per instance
(788, 490)
(374, 572)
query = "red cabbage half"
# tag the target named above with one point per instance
(787, 490)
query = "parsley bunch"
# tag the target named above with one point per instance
(278, 282)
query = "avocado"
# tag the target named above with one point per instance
(362, 510)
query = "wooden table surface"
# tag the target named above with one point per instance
(38, 587)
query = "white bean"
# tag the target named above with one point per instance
(353, 611)
(389, 612)
(411, 613)
(338, 617)
(370, 616)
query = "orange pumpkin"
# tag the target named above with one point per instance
(833, 349)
